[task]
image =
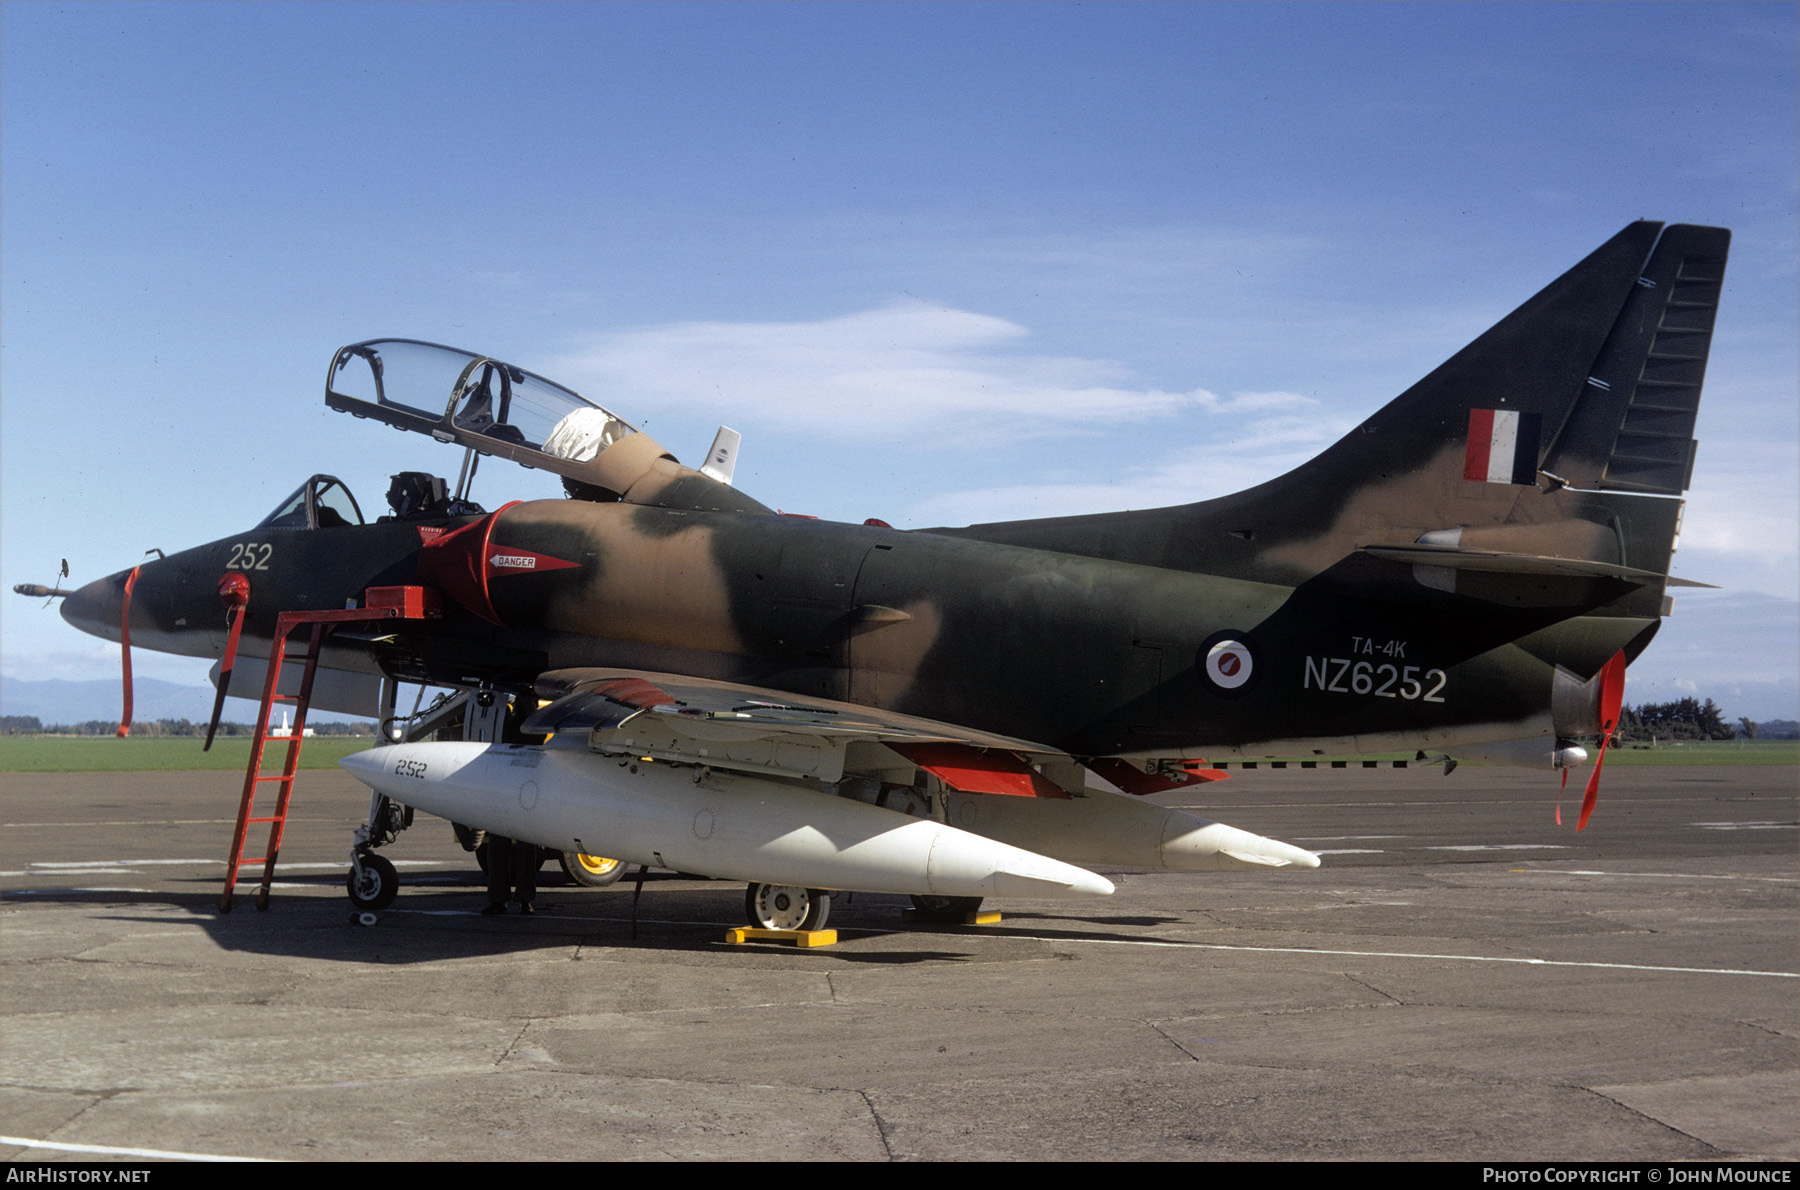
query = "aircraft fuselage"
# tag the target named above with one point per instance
(1091, 656)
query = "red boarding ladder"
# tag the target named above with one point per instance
(381, 603)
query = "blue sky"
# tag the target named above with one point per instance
(937, 263)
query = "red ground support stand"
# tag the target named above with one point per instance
(411, 603)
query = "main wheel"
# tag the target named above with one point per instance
(786, 907)
(945, 908)
(591, 871)
(377, 886)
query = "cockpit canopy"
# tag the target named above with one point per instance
(495, 408)
(474, 401)
(322, 502)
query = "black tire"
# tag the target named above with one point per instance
(786, 907)
(945, 908)
(379, 885)
(591, 871)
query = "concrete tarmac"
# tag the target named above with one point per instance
(1463, 979)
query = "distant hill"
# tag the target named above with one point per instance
(68, 702)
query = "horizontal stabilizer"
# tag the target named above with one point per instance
(1501, 562)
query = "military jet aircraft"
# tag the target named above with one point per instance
(698, 682)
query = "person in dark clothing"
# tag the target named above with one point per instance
(512, 866)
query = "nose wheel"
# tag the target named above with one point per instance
(373, 884)
(786, 907)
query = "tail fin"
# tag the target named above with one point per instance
(1540, 439)
(1633, 428)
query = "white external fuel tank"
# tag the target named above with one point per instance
(1115, 830)
(716, 823)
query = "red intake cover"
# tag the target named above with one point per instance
(456, 563)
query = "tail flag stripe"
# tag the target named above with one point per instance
(1503, 446)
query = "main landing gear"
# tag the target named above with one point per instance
(592, 871)
(786, 907)
(790, 907)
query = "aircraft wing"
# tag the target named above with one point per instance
(735, 726)
(1049, 803)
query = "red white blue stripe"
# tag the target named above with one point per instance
(1503, 446)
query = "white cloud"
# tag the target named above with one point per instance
(1199, 467)
(910, 368)
(1745, 502)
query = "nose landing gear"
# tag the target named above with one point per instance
(372, 883)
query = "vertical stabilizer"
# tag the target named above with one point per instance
(1633, 429)
(1539, 439)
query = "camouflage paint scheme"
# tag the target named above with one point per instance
(1089, 635)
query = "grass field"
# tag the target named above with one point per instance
(95, 754)
(101, 754)
(1717, 752)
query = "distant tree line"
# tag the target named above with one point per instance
(31, 725)
(1683, 719)
(1694, 719)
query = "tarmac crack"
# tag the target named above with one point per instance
(95, 1097)
(1771, 1030)
(1181, 1049)
(513, 1045)
(98, 1094)
(1643, 1115)
(1365, 984)
(880, 1125)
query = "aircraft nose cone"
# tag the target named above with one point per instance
(94, 608)
(365, 765)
